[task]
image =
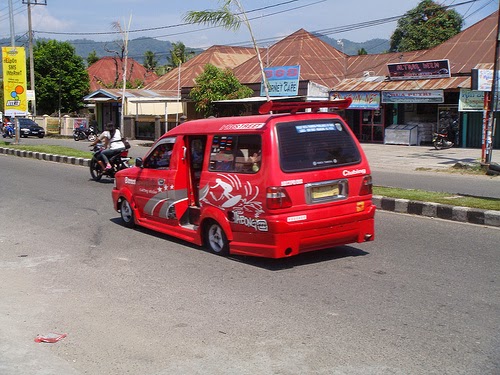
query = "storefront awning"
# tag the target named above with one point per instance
(384, 84)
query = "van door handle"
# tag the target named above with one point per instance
(184, 152)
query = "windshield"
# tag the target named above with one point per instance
(315, 144)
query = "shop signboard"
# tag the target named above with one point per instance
(413, 96)
(360, 99)
(482, 79)
(419, 70)
(281, 81)
(472, 101)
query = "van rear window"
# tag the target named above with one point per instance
(236, 153)
(318, 144)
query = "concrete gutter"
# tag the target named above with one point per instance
(441, 211)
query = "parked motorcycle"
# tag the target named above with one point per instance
(118, 162)
(441, 140)
(9, 131)
(85, 133)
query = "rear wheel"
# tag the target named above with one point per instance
(127, 214)
(95, 170)
(439, 145)
(216, 239)
(92, 137)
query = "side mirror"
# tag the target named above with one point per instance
(138, 162)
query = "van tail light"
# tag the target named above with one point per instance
(366, 186)
(277, 197)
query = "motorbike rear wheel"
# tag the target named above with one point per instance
(438, 144)
(76, 137)
(95, 170)
(92, 137)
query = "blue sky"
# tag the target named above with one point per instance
(158, 19)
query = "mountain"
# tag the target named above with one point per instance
(372, 46)
(137, 47)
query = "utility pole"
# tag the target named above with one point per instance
(30, 43)
(492, 123)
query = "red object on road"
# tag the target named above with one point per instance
(51, 337)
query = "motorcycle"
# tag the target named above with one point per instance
(9, 131)
(440, 140)
(118, 162)
(85, 133)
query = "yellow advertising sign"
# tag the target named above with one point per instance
(14, 81)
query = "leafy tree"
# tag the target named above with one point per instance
(425, 26)
(216, 84)
(60, 76)
(178, 55)
(362, 51)
(229, 19)
(150, 60)
(92, 58)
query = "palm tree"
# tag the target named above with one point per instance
(178, 55)
(229, 20)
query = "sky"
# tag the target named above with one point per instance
(270, 20)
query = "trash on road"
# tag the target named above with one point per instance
(51, 337)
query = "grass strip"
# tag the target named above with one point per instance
(48, 149)
(436, 197)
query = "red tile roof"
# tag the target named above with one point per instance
(108, 70)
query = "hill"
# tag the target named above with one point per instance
(137, 47)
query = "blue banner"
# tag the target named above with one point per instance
(282, 81)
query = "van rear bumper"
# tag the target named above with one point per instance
(288, 239)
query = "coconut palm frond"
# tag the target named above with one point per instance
(223, 17)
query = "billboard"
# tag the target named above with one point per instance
(282, 81)
(419, 70)
(14, 81)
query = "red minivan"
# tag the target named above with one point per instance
(270, 185)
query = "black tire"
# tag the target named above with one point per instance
(95, 170)
(92, 137)
(215, 239)
(41, 136)
(438, 145)
(127, 214)
(76, 137)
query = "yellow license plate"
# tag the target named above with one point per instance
(326, 191)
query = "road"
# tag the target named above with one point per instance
(397, 166)
(421, 299)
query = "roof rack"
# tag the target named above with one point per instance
(293, 107)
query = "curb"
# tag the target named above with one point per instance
(437, 210)
(44, 156)
(405, 206)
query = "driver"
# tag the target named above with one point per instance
(112, 140)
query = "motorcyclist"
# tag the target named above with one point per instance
(112, 140)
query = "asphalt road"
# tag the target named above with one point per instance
(421, 299)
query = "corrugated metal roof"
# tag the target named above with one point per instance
(319, 61)
(220, 56)
(362, 84)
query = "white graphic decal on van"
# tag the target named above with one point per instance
(257, 125)
(354, 172)
(166, 200)
(292, 182)
(257, 224)
(228, 192)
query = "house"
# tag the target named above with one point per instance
(107, 73)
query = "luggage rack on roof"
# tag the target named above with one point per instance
(293, 107)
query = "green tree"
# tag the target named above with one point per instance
(425, 26)
(229, 19)
(92, 58)
(60, 75)
(362, 51)
(216, 84)
(150, 60)
(178, 55)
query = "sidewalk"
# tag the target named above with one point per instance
(386, 157)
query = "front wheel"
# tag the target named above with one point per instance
(92, 137)
(127, 214)
(216, 239)
(95, 170)
(439, 144)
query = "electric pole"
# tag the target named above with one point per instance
(30, 46)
